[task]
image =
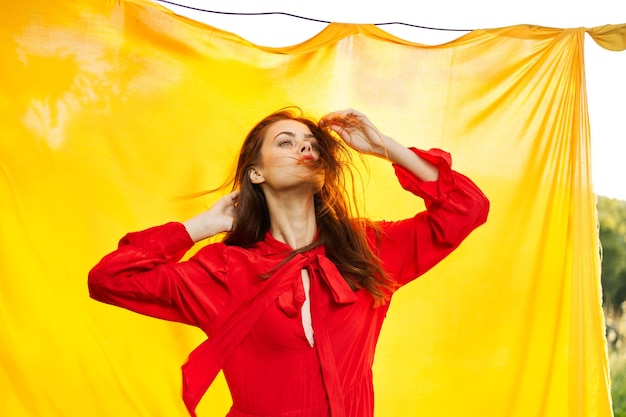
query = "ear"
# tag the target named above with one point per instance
(256, 176)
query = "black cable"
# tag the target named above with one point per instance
(301, 17)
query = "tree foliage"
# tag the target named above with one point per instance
(612, 222)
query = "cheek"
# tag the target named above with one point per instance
(279, 159)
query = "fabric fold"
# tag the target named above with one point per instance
(610, 37)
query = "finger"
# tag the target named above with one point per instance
(340, 125)
(340, 130)
(229, 200)
(340, 115)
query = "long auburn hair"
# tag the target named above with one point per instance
(342, 234)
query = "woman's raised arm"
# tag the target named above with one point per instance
(361, 135)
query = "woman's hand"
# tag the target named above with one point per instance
(360, 134)
(219, 218)
(357, 131)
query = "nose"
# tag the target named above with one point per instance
(305, 147)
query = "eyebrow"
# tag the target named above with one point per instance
(293, 135)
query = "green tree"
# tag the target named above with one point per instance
(612, 220)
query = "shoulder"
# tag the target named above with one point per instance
(235, 260)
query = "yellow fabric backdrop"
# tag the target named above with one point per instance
(111, 110)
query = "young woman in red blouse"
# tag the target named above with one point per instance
(293, 298)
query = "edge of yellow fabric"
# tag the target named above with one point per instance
(611, 37)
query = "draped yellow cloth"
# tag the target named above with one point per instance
(113, 110)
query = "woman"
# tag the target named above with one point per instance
(294, 297)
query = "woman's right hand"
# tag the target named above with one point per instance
(217, 219)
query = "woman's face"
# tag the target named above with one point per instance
(288, 157)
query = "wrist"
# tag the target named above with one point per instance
(393, 151)
(197, 228)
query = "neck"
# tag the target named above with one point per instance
(292, 219)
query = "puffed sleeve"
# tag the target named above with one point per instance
(144, 275)
(455, 206)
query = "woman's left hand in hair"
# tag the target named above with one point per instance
(218, 219)
(357, 131)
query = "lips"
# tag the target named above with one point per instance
(306, 158)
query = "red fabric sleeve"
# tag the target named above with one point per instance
(144, 275)
(454, 207)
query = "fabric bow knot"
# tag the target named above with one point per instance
(319, 267)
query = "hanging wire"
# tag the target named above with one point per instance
(301, 17)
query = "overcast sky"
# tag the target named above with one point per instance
(605, 70)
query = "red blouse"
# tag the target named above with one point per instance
(254, 325)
